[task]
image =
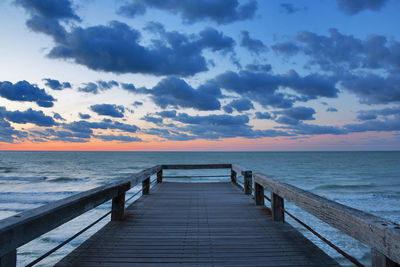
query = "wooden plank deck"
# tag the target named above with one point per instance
(197, 224)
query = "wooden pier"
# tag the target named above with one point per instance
(200, 224)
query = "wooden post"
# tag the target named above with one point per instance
(9, 259)
(259, 194)
(146, 186)
(380, 260)
(276, 204)
(247, 182)
(159, 176)
(233, 176)
(118, 207)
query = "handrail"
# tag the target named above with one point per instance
(382, 235)
(195, 166)
(19, 229)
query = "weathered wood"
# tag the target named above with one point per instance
(248, 177)
(118, 207)
(9, 259)
(277, 204)
(378, 233)
(19, 229)
(259, 194)
(195, 166)
(197, 224)
(380, 260)
(159, 176)
(146, 186)
(238, 169)
(233, 176)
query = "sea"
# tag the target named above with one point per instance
(368, 181)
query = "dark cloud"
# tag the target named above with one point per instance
(128, 86)
(221, 12)
(111, 110)
(84, 116)
(57, 116)
(255, 46)
(87, 127)
(170, 134)
(263, 115)
(121, 138)
(311, 129)
(7, 133)
(386, 125)
(24, 91)
(152, 119)
(167, 114)
(137, 104)
(352, 7)
(374, 89)
(259, 67)
(286, 48)
(373, 114)
(262, 87)
(28, 116)
(239, 105)
(331, 109)
(175, 92)
(294, 115)
(103, 85)
(215, 40)
(56, 85)
(60, 9)
(90, 87)
(289, 8)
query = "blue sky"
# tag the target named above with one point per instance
(201, 75)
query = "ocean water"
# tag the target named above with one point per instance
(369, 181)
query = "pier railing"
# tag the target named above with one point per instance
(381, 235)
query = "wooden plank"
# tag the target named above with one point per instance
(19, 229)
(146, 186)
(378, 233)
(9, 259)
(159, 176)
(238, 169)
(195, 166)
(277, 206)
(188, 224)
(259, 194)
(248, 178)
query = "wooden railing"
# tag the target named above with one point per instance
(381, 235)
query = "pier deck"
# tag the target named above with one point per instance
(197, 224)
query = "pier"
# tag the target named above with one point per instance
(235, 223)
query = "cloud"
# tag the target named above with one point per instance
(103, 85)
(175, 92)
(84, 116)
(170, 134)
(111, 110)
(311, 129)
(60, 9)
(294, 115)
(215, 40)
(331, 109)
(255, 46)
(7, 133)
(239, 105)
(221, 12)
(152, 119)
(121, 138)
(263, 115)
(167, 113)
(262, 87)
(128, 86)
(289, 8)
(373, 114)
(87, 127)
(259, 67)
(57, 116)
(286, 48)
(28, 116)
(90, 87)
(24, 91)
(137, 104)
(352, 7)
(56, 85)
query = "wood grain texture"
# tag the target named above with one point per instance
(197, 224)
(378, 233)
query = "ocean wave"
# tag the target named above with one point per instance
(33, 197)
(21, 178)
(7, 169)
(63, 179)
(344, 186)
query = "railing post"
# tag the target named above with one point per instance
(247, 182)
(380, 260)
(233, 176)
(259, 194)
(146, 186)
(159, 176)
(118, 203)
(9, 259)
(277, 204)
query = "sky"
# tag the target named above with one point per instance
(183, 75)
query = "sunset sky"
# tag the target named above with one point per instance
(199, 75)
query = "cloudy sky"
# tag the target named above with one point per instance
(199, 75)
